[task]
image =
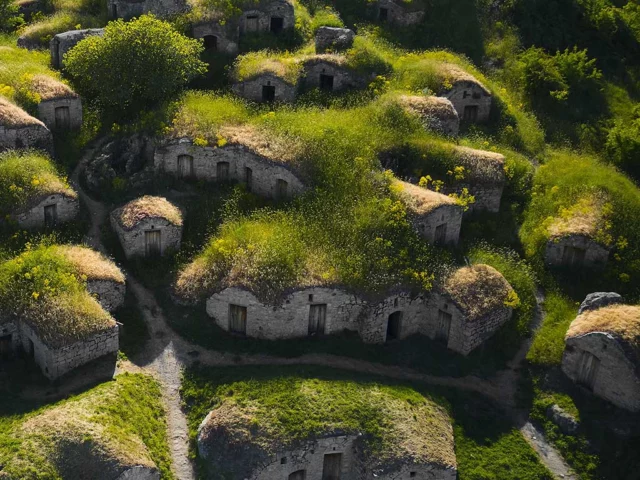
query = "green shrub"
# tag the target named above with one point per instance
(10, 18)
(548, 343)
(134, 65)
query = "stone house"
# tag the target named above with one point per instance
(218, 37)
(128, 9)
(402, 13)
(332, 39)
(471, 99)
(61, 43)
(602, 354)
(437, 217)
(436, 113)
(148, 227)
(484, 177)
(469, 308)
(105, 281)
(58, 204)
(330, 73)
(19, 130)
(60, 108)
(398, 315)
(573, 237)
(249, 157)
(266, 87)
(262, 16)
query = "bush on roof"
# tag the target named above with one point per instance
(134, 65)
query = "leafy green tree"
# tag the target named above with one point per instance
(134, 65)
(10, 17)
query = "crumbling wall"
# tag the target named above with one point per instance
(109, 294)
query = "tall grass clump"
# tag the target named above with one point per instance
(548, 343)
(41, 32)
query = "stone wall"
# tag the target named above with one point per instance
(343, 78)
(139, 473)
(333, 39)
(408, 471)
(252, 89)
(35, 136)
(63, 42)
(487, 195)
(596, 256)
(426, 224)
(47, 112)
(469, 94)
(56, 362)
(227, 37)
(133, 241)
(475, 333)
(616, 378)
(109, 294)
(373, 326)
(265, 11)
(291, 318)
(67, 210)
(11, 328)
(397, 14)
(128, 9)
(265, 173)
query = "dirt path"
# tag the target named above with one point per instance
(549, 456)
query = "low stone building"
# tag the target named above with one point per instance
(61, 43)
(266, 87)
(471, 99)
(266, 167)
(602, 354)
(148, 226)
(105, 280)
(217, 35)
(572, 237)
(403, 13)
(330, 73)
(48, 209)
(397, 315)
(332, 39)
(437, 217)
(469, 308)
(484, 177)
(436, 113)
(19, 130)
(128, 9)
(260, 16)
(60, 108)
(236, 438)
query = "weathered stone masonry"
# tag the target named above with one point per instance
(66, 207)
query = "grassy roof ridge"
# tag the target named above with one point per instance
(91, 263)
(586, 217)
(12, 116)
(420, 201)
(49, 88)
(147, 206)
(266, 62)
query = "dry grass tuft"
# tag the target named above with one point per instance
(483, 166)
(147, 207)
(13, 116)
(48, 88)
(478, 289)
(272, 146)
(92, 264)
(586, 218)
(621, 320)
(418, 200)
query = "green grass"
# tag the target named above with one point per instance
(126, 412)
(133, 332)
(42, 31)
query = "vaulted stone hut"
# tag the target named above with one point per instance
(469, 308)
(602, 354)
(400, 12)
(18, 129)
(56, 205)
(330, 73)
(393, 316)
(266, 166)
(60, 108)
(484, 177)
(573, 236)
(471, 99)
(437, 217)
(61, 43)
(332, 39)
(266, 16)
(148, 226)
(104, 279)
(128, 9)
(246, 439)
(436, 113)
(265, 86)
(218, 35)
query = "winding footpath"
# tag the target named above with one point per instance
(167, 354)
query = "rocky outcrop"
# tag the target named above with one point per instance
(596, 300)
(566, 422)
(331, 39)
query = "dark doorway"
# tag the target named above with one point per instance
(248, 178)
(185, 166)
(63, 118)
(470, 113)
(282, 189)
(56, 53)
(393, 326)
(211, 43)
(114, 11)
(31, 349)
(50, 216)
(222, 171)
(252, 23)
(444, 327)
(6, 347)
(298, 475)
(268, 93)
(332, 466)
(277, 24)
(317, 319)
(152, 243)
(573, 257)
(238, 319)
(326, 82)
(383, 16)
(588, 369)
(441, 234)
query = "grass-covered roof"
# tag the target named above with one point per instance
(46, 289)
(586, 217)
(276, 414)
(49, 88)
(429, 106)
(98, 434)
(255, 64)
(140, 209)
(91, 264)
(420, 201)
(26, 177)
(12, 116)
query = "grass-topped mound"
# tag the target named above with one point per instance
(44, 288)
(140, 209)
(91, 264)
(99, 434)
(27, 177)
(261, 417)
(255, 64)
(12, 116)
(623, 321)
